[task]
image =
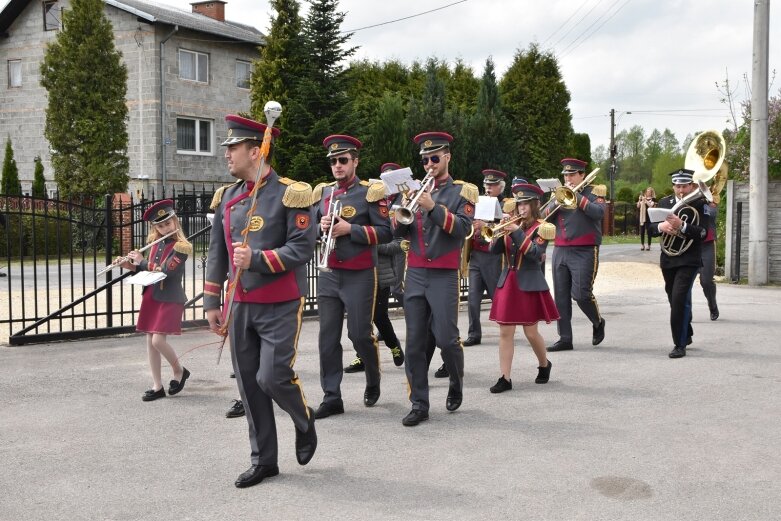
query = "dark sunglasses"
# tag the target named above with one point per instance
(342, 160)
(434, 159)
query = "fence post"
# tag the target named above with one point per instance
(107, 201)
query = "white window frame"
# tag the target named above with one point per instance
(196, 61)
(13, 64)
(249, 73)
(197, 151)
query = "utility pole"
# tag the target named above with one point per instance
(612, 150)
(757, 202)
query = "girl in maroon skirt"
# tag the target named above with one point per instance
(522, 296)
(162, 303)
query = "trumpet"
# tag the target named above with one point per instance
(489, 233)
(406, 214)
(328, 245)
(125, 258)
(566, 197)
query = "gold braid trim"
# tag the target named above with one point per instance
(217, 199)
(508, 205)
(468, 191)
(183, 247)
(286, 180)
(317, 193)
(297, 195)
(599, 190)
(375, 192)
(546, 230)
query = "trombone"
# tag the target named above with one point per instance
(406, 214)
(125, 258)
(328, 245)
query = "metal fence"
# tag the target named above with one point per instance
(51, 251)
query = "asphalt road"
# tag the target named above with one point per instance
(620, 432)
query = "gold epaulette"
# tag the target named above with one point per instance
(468, 191)
(317, 193)
(508, 205)
(599, 190)
(375, 192)
(297, 195)
(183, 247)
(217, 199)
(546, 230)
(286, 180)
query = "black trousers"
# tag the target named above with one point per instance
(645, 229)
(382, 320)
(678, 284)
(707, 272)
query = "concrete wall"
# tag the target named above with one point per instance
(22, 110)
(739, 193)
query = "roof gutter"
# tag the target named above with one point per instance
(163, 176)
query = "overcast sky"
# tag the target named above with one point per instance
(659, 60)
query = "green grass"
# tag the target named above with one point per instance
(621, 239)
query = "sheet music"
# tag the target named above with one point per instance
(488, 209)
(146, 278)
(210, 217)
(658, 215)
(548, 185)
(399, 181)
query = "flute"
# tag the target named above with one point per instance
(124, 258)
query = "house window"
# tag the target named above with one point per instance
(193, 136)
(14, 73)
(51, 15)
(193, 66)
(243, 73)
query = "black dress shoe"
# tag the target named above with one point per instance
(561, 345)
(327, 409)
(502, 385)
(371, 395)
(236, 410)
(678, 352)
(356, 366)
(233, 375)
(543, 374)
(306, 442)
(151, 395)
(714, 314)
(414, 417)
(471, 341)
(441, 372)
(454, 398)
(255, 474)
(174, 386)
(599, 333)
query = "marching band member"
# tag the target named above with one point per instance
(436, 237)
(708, 270)
(269, 296)
(576, 255)
(350, 284)
(680, 270)
(522, 296)
(162, 303)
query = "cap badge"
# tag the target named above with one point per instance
(427, 143)
(334, 146)
(230, 132)
(161, 213)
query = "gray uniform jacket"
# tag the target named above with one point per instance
(281, 235)
(365, 208)
(581, 226)
(169, 257)
(524, 251)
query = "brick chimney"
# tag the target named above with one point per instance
(211, 8)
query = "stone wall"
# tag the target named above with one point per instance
(739, 193)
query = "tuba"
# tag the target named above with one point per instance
(706, 158)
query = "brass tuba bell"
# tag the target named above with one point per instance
(706, 155)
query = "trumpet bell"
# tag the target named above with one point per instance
(706, 155)
(565, 197)
(405, 215)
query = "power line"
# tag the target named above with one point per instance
(551, 35)
(570, 46)
(581, 19)
(404, 18)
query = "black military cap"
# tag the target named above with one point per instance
(160, 212)
(682, 176)
(339, 144)
(432, 141)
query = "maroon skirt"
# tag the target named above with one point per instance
(159, 317)
(512, 306)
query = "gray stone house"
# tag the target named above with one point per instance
(196, 61)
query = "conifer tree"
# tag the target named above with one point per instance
(39, 181)
(86, 115)
(9, 184)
